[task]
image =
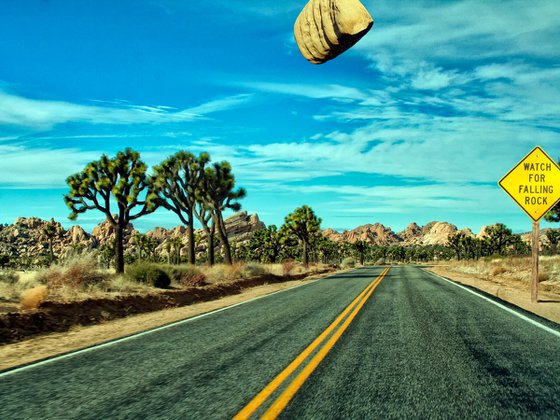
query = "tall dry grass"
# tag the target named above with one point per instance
(512, 268)
(80, 279)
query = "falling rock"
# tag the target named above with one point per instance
(326, 28)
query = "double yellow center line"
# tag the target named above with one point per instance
(280, 403)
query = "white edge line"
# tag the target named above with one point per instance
(505, 308)
(140, 334)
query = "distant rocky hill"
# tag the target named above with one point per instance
(24, 238)
(434, 233)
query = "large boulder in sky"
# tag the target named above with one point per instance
(326, 28)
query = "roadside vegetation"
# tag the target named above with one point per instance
(82, 278)
(123, 189)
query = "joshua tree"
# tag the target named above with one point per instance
(264, 245)
(177, 244)
(168, 249)
(107, 252)
(553, 236)
(554, 214)
(499, 237)
(121, 180)
(4, 260)
(49, 232)
(146, 245)
(217, 194)
(304, 224)
(361, 247)
(176, 181)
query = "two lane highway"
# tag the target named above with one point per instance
(417, 347)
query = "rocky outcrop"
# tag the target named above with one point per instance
(433, 233)
(25, 238)
(413, 234)
(438, 233)
(326, 28)
(240, 226)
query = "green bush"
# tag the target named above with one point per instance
(147, 273)
(9, 277)
(348, 262)
(186, 275)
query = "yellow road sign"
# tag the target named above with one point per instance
(534, 183)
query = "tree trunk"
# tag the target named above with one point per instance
(190, 231)
(224, 238)
(305, 255)
(210, 237)
(361, 258)
(51, 250)
(119, 251)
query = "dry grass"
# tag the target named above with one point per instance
(496, 271)
(80, 279)
(32, 298)
(513, 268)
(76, 273)
(11, 291)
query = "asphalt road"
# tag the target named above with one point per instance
(419, 347)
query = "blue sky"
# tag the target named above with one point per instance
(417, 122)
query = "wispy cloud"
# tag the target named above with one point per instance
(313, 91)
(30, 167)
(16, 110)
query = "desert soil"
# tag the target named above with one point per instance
(513, 291)
(79, 337)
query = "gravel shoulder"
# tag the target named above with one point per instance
(515, 292)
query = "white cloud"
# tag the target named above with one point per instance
(313, 91)
(43, 114)
(24, 167)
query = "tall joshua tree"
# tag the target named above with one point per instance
(304, 224)
(120, 181)
(361, 247)
(176, 180)
(49, 232)
(217, 194)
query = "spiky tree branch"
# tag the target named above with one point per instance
(121, 180)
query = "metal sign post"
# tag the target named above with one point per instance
(534, 184)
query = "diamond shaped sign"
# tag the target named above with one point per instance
(534, 183)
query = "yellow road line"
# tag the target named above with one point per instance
(283, 400)
(262, 396)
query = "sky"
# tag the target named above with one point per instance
(417, 122)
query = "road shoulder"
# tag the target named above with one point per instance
(79, 337)
(548, 306)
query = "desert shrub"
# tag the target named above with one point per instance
(32, 298)
(220, 273)
(78, 272)
(253, 270)
(543, 277)
(348, 262)
(234, 271)
(9, 277)
(498, 270)
(148, 273)
(186, 275)
(287, 267)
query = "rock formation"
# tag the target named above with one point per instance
(438, 233)
(433, 233)
(326, 28)
(24, 238)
